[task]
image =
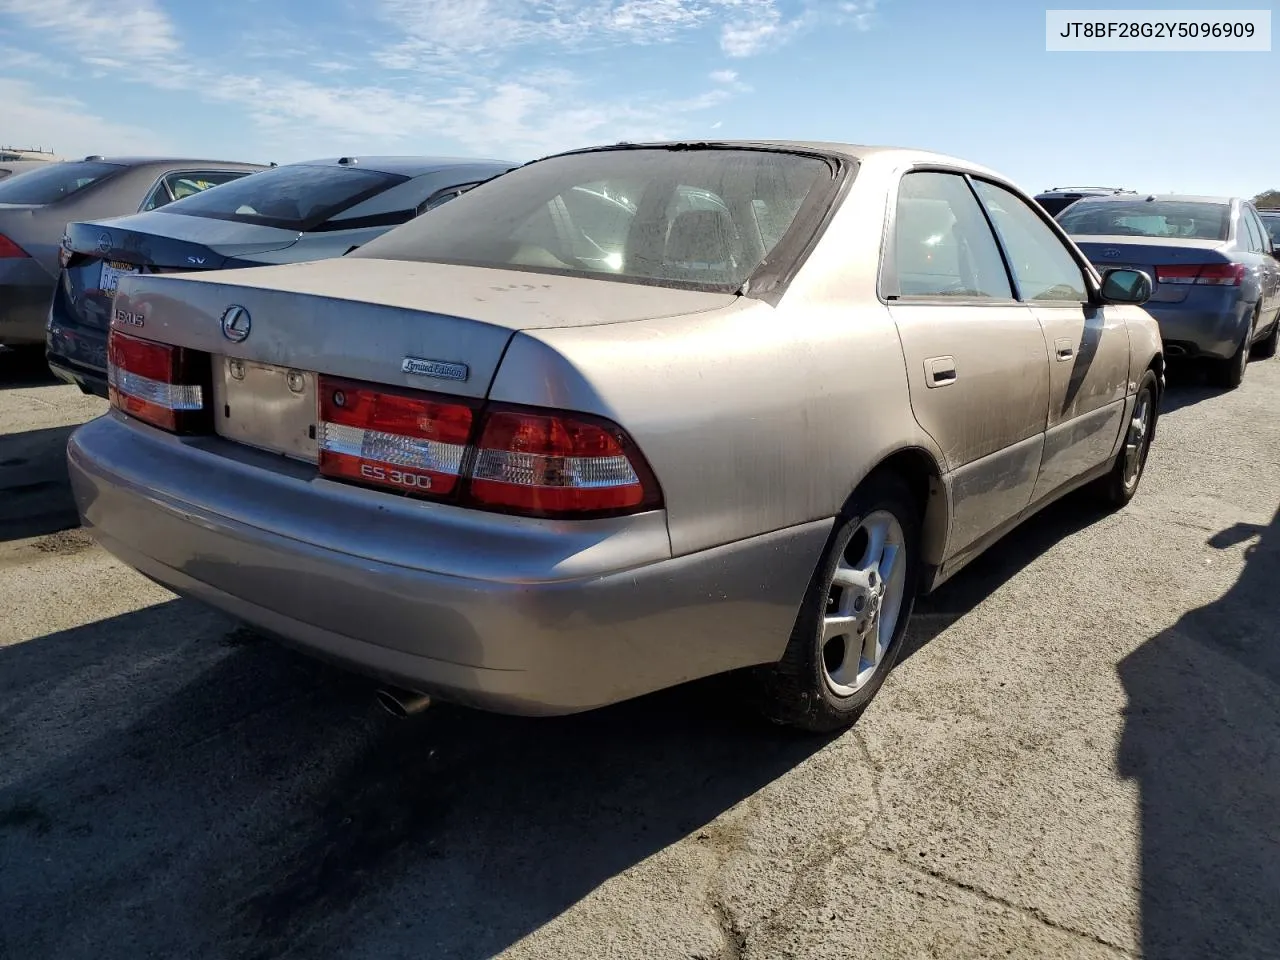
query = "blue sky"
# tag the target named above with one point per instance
(290, 79)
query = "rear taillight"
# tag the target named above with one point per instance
(1212, 274)
(156, 382)
(532, 462)
(1221, 274)
(552, 464)
(10, 250)
(413, 443)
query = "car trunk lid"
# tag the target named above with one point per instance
(423, 326)
(102, 252)
(1149, 254)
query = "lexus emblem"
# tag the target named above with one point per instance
(236, 323)
(104, 243)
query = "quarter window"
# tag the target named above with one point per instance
(943, 246)
(1042, 265)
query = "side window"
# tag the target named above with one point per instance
(444, 197)
(1042, 266)
(185, 184)
(1255, 242)
(175, 186)
(943, 246)
(1272, 226)
(158, 197)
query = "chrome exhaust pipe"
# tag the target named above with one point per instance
(402, 704)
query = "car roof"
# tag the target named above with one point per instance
(1083, 192)
(1156, 197)
(169, 162)
(852, 151)
(405, 166)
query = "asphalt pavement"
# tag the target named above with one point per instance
(1078, 757)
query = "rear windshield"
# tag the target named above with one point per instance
(55, 181)
(1272, 222)
(1173, 219)
(704, 219)
(296, 197)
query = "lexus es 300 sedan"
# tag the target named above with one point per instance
(299, 211)
(622, 418)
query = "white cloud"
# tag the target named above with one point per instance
(136, 31)
(760, 25)
(488, 74)
(66, 126)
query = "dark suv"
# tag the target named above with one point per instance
(1057, 199)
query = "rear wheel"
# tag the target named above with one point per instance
(1266, 347)
(854, 616)
(1229, 373)
(1119, 486)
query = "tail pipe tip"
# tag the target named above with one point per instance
(402, 704)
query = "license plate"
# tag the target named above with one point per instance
(266, 406)
(112, 271)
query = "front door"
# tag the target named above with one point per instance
(1088, 344)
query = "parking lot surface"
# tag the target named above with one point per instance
(1077, 757)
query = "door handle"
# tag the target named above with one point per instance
(939, 371)
(1063, 349)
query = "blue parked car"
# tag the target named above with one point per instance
(285, 214)
(1215, 277)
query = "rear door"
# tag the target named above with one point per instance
(977, 366)
(1088, 344)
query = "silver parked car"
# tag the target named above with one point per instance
(299, 211)
(36, 205)
(622, 418)
(1216, 293)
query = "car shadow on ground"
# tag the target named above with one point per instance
(170, 796)
(992, 568)
(1186, 385)
(24, 367)
(1202, 740)
(35, 491)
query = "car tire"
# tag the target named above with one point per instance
(1265, 348)
(1229, 373)
(1119, 485)
(859, 589)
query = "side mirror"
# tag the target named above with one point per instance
(1126, 286)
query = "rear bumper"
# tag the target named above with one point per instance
(89, 381)
(518, 616)
(24, 307)
(1194, 330)
(76, 352)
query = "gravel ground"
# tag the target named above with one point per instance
(1077, 758)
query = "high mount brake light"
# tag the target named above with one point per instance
(537, 463)
(1202, 274)
(157, 383)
